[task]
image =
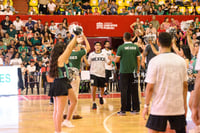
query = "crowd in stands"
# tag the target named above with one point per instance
(115, 7)
(105, 7)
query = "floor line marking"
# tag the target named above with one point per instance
(105, 120)
(24, 98)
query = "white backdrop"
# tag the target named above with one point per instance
(8, 80)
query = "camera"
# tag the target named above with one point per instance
(149, 37)
(172, 31)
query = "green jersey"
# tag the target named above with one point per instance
(128, 53)
(21, 49)
(75, 58)
(63, 72)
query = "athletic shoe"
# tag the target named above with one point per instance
(67, 123)
(50, 103)
(135, 112)
(77, 117)
(94, 106)
(121, 113)
(101, 100)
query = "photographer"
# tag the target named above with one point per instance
(149, 52)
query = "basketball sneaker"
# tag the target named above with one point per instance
(94, 106)
(67, 123)
(101, 100)
(121, 113)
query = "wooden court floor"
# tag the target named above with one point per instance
(35, 116)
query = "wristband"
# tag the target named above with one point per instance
(146, 105)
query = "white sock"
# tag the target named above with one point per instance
(93, 102)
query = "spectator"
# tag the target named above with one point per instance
(96, 12)
(16, 61)
(33, 56)
(61, 30)
(86, 6)
(107, 12)
(179, 2)
(65, 23)
(51, 7)
(29, 25)
(68, 4)
(61, 10)
(160, 11)
(151, 11)
(6, 61)
(40, 25)
(9, 5)
(139, 8)
(24, 58)
(11, 31)
(166, 23)
(174, 23)
(177, 12)
(18, 24)
(40, 51)
(174, 7)
(194, 12)
(196, 22)
(5, 24)
(187, 11)
(124, 12)
(3, 47)
(7, 11)
(35, 28)
(151, 29)
(23, 47)
(35, 40)
(70, 12)
(43, 6)
(52, 27)
(1, 6)
(146, 25)
(47, 40)
(46, 29)
(135, 24)
(102, 6)
(11, 53)
(58, 38)
(7, 39)
(130, 7)
(131, 12)
(78, 8)
(32, 11)
(68, 38)
(113, 7)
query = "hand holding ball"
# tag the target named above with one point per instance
(75, 29)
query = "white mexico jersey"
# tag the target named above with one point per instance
(108, 53)
(97, 63)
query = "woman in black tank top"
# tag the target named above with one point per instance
(61, 89)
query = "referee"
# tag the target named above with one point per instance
(129, 56)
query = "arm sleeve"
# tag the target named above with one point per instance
(151, 73)
(119, 52)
